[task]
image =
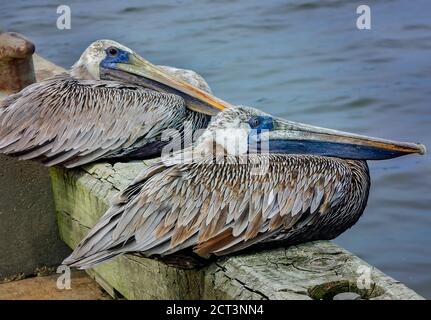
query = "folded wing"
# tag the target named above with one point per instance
(214, 208)
(70, 122)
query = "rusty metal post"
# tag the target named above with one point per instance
(16, 63)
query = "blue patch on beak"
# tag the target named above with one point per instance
(257, 125)
(114, 56)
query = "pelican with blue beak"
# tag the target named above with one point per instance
(113, 104)
(250, 181)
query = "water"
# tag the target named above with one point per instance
(303, 60)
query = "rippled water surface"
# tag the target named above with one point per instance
(303, 60)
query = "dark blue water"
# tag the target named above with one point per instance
(303, 60)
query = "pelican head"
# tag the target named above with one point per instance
(243, 130)
(109, 60)
(88, 65)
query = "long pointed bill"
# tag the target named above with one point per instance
(144, 73)
(293, 137)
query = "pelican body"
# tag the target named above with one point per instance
(251, 180)
(110, 106)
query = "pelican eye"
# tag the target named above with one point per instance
(113, 52)
(254, 122)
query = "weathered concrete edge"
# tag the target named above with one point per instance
(26, 205)
(292, 273)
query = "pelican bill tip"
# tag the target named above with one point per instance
(422, 149)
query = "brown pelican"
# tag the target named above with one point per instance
(225, 194)
(100, 109)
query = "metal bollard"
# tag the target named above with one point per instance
(16, 63)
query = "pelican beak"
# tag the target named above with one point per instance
(292, 137)
(144, 73)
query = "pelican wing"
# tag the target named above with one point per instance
(72, 122)
(215, 208)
